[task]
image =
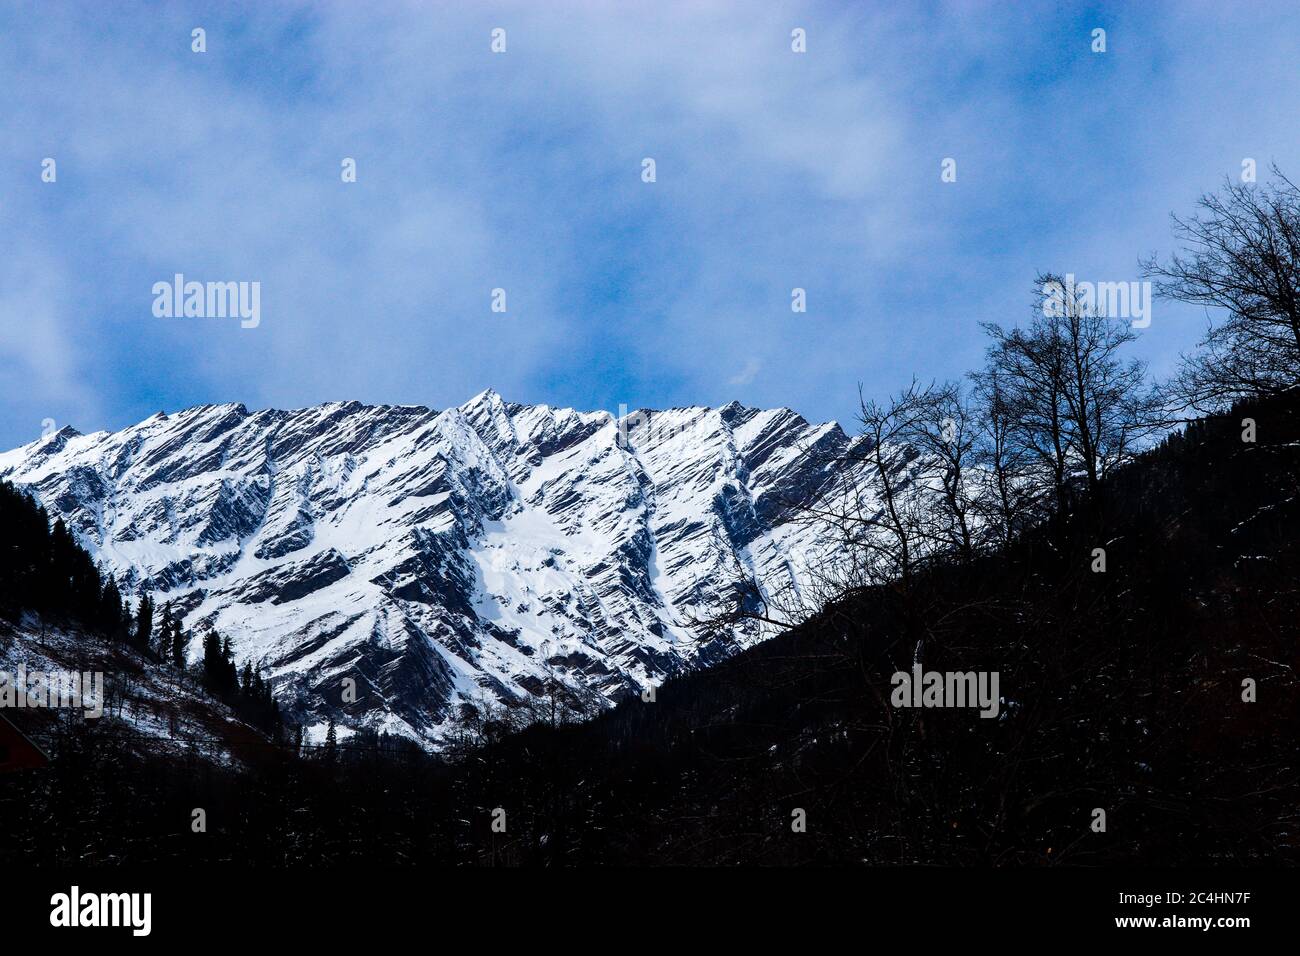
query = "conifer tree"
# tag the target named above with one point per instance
(110, 610)
(144, 624)
(331, 742)
(179, 641)
(212, 662)
(165, 625)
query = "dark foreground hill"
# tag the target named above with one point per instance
(1162, 691)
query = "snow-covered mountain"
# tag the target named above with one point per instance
(444, 558)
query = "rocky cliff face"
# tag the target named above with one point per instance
(444, 558)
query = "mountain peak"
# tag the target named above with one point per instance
(436, 554)
(489, 396)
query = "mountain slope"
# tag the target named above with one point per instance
(148, 708)
(1123, 691)
(441, 559)
(1163, 692)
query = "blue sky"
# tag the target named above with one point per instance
(522, 171)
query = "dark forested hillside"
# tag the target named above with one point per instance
(58, 610)
(42, 569)
(1161, 690)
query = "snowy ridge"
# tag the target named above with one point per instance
(444, 558)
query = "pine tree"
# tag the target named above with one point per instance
(111, 611)
(331, 742)
(171, 640)
(144, 624)
(229, 672)
(126, 623)
(165, 625)
(212, 662)
(180, 640)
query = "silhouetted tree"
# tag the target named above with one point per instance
(113, 615)
(331, 743)
(144, 624)
(1073, 403)
(1241, 254)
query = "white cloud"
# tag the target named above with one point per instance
(747, 374)
(521, 171)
